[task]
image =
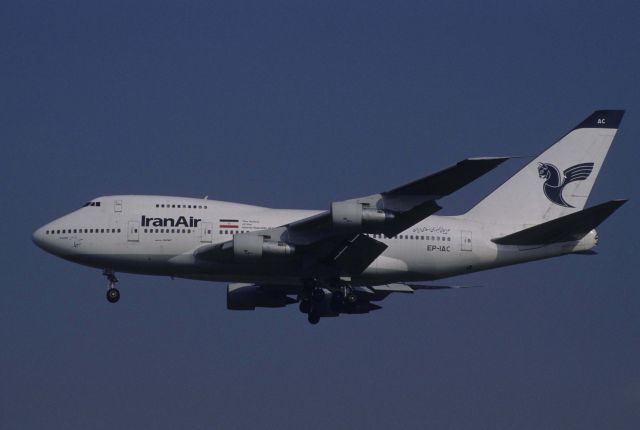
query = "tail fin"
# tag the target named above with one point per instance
(558, 181)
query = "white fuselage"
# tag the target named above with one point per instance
(159, 235)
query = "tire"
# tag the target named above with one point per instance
(113, 295)
(351, 298)
(318, 295)
(313, 318)
(305, 306)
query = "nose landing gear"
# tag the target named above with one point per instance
(113, 295)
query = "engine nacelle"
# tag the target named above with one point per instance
(247, 297)
(353, 216)
(251, 248)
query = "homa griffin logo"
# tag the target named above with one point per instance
(555, 182)
(181, 221)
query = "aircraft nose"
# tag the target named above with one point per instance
(38, 237)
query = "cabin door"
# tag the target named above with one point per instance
(465, 241)
(206, 232)
(133, 231)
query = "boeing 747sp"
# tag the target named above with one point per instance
(345, 259)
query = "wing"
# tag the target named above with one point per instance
(341, 241)
(579, 172)
(393, 211)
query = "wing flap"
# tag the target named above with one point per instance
(358, 254)
(410, 288)
(404, 220)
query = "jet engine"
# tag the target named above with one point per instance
(250, 248)
(247, 297)
(353, 215)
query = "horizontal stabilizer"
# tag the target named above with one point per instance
(568, 228)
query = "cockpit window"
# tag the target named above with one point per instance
(91, 204)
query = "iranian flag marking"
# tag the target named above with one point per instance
(229, 223)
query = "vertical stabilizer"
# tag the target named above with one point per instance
(558, 181)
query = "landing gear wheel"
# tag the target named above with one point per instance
(313, 318)
(305, 306)
(113, 295)
(318, 295)
(351, 298)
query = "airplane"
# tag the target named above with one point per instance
(345, 259)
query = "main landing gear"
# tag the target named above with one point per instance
(325, 299)
(113, 295)
(310, 303)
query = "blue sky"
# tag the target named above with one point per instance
(294, 105)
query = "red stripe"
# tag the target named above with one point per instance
(228, 226)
